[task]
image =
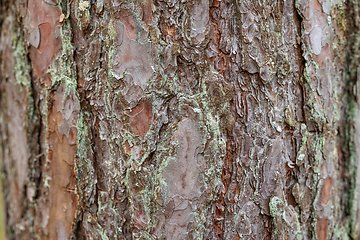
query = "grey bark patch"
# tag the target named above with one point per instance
(34, 38)
(70, 108)
(242, 224)
(249, 27)
(177, 226)
(183, 180)
(315, 39)
(199, 20)
(61, 232)
(182, 175)
(57, 31)
(51, 2)
(132, 58)
(265, 73)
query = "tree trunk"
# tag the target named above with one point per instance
(165, 119)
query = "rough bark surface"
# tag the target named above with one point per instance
(192, 119)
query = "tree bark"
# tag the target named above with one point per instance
(165, 119)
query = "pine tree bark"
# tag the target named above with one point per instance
(165, 119)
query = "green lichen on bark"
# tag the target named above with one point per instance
(64, 69)
(284, 216)
(22, 66)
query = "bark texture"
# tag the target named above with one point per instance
(169, 119)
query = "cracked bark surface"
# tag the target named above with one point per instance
(165, 119)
